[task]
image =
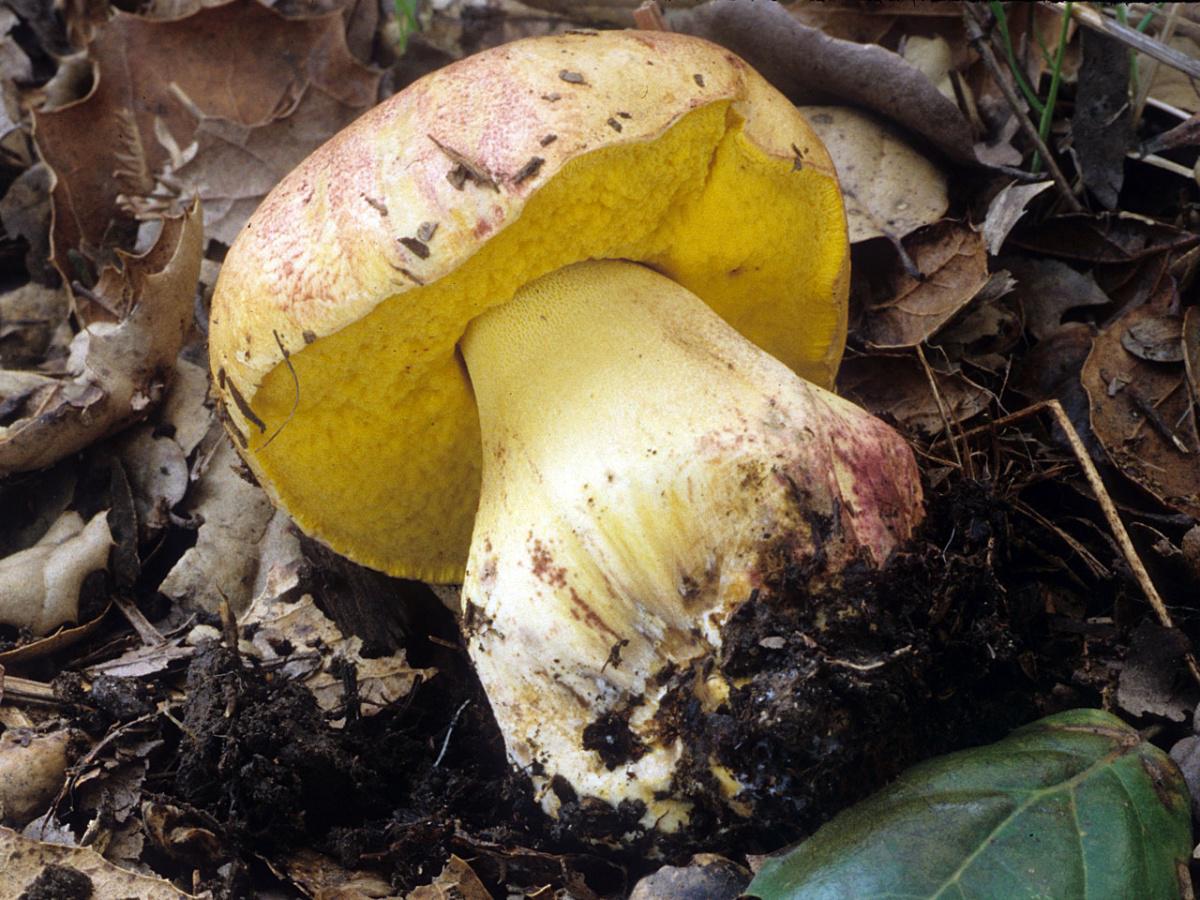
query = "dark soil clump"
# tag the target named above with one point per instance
(926, 657)
(59, 883)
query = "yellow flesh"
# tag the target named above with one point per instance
(381, 456)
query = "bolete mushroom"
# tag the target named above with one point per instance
(639, 247)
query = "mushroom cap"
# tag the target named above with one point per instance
(339, 307)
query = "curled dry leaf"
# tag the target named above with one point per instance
(890, 188)
(39, 587)
(25, 654)
(22, 861)
(812, 67)
(457, 881)
(1048, 289)
(898, 387)
(1005, 211)
(225, 559)
(136, 119)
(318, 650)
(32, 769)
(1143, 415)
(120, 368)
(953, 265)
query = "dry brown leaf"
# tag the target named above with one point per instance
(812, 67)
(322, 878)
(1170, 85)
(457, 881)
(158, 475)
(225, 560)
(227, 59)
(953, 264)
(39, 587)
(119, 368)
(184, 408)
(1005, 211)
(15, 69)
(32, 769)
(31, 316)
(1142, 414)
(232, 166)
(1155, 339)
(1112, 238)
(22, 860)
(890, 188)
(862, 24)
(1147, 683)
(987, 330)
(316, 643)
(897, 386)
(25, 213)
(59, 640)
(1048, 289)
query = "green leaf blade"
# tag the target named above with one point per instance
(1075, 805)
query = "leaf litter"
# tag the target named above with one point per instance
(239, 711)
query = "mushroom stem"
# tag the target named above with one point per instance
(645, 470)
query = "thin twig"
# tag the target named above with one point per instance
(150, 635)
(941, 405)
(1160, 162)
(1131, 37)
(1116, 526)
(975, 35)
(22, 690)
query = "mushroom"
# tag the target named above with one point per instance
(556, 322)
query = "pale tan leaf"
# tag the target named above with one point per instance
(1006, 210)
(890, 188)
(32, 769)
(22, 860)
(225, 559)
(39, 587)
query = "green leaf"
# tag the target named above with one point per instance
(1075, 805)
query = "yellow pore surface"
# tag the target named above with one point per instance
(374, 441)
